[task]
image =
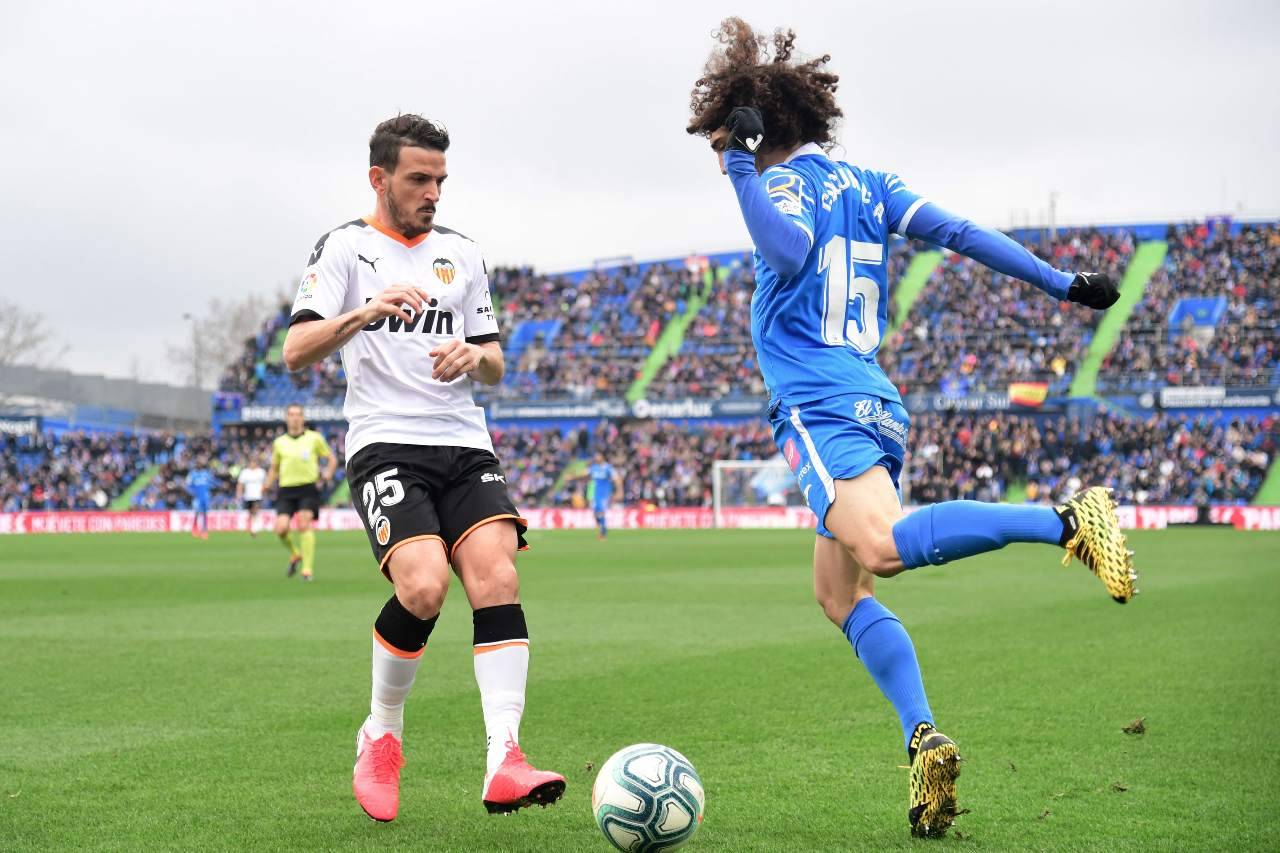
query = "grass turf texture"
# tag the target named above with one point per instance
(161, 692)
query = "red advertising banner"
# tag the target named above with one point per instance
(624, 518)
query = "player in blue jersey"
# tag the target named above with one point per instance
(604, 477)
(821, 229)
(200, 483)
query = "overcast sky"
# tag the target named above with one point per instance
(154, 155)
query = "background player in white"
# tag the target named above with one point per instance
(408, 302)
(249, 490)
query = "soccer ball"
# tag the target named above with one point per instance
(647, 798)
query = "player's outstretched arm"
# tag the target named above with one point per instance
(1002, 254)
(780, 241)
(309, 341)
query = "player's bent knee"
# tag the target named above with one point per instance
(422, 594)
(491, 583)
(876, 551)
(884, 567)
(838, 607)
(421, 577)
(835, 607)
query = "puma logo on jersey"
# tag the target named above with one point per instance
(371, 263)
(433, 321)
(754, 142)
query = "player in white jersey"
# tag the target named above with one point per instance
(408, 303)
(249, 491)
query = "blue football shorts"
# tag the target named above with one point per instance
(839, 438)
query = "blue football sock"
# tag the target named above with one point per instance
(882, 644)
(604, 527)
(948, 531)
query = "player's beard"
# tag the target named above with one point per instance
(410, 224)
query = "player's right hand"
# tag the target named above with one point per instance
(393, 301)
(1093, 290)
(746, 129)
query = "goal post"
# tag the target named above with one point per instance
(737, 483)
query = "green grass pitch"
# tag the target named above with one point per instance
(165, 693)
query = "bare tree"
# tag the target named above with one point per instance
(218, 336)
(26, 337)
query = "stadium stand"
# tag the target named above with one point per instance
(74, 470)
(973, 330)
(1162, 459)
(1209, 316)
(226, 454)
(587, 338)
(716, 357)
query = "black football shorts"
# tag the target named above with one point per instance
(291, 499)
(405, 492)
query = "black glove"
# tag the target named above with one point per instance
(746, 129)
(1093, 290)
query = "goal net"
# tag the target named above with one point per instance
(757, 493)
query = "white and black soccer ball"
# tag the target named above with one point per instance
(648, 798)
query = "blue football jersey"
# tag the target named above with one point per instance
(601, 478)
(817, 333)
(200, 482)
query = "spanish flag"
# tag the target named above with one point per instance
(1030, 394)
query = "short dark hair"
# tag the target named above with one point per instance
(395, 133)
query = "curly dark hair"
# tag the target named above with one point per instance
(796, 99)
(395, 133)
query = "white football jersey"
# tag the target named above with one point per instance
(391, 396)
(252, 479)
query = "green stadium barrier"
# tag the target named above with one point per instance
(576, 468)
(670, 339)
(125, 498)
(1269, 494)
(1146, 260)
(908, 288)
(341, 495)
(275, 352)
(1016, 493)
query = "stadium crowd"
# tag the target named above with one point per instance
(224, 455)
(73, 470)
(606, 325)
(972, 330)
(1163, 459)
(1242, 349)
(717, 358)
(969, 330)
